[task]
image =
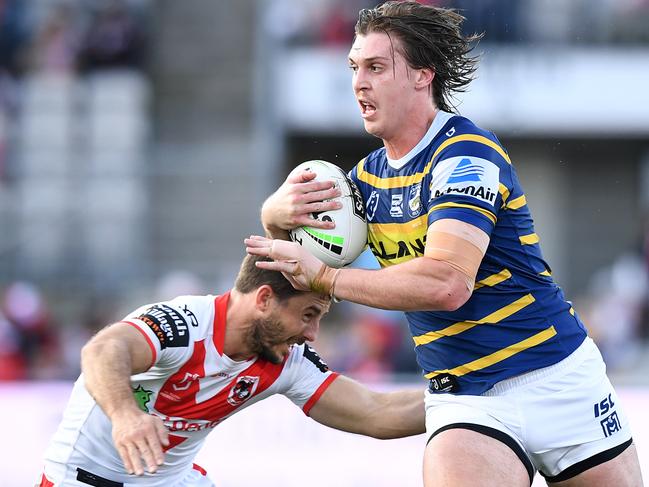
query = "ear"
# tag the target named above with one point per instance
(264, 298)
(424, 78)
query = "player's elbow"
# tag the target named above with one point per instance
(453, 294)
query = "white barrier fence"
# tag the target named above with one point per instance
(271, 444)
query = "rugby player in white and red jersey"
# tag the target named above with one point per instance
(156, 383)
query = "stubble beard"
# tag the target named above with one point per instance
(264, 334)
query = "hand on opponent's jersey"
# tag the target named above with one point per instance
(304, 271)
(139, 436)
(294, 203)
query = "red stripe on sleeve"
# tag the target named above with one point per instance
(318, 392)
(45, 482)
(200, 469)
(154, 352)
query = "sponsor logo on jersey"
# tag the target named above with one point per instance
(192, 317)
(451, 132)
(466, 171)
(389, 250)
(142, 397)
(372, 204)
(444, 383)
(185, 425)
(311, 355)
(414, 201)
(243, 390)
(168, 324)
(396, 209)
(469, 176)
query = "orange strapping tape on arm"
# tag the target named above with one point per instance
(459, 244)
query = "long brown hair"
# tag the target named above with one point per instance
(430, 38)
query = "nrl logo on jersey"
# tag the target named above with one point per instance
(243, 390)
(470, 176)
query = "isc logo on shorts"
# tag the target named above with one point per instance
(611, 423)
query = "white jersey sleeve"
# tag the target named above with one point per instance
(167, 327)
(307, 377)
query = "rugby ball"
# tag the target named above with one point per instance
(345, 242)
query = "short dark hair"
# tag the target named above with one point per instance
(431, 39)
(251, 277)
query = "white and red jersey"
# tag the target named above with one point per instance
(191, 385)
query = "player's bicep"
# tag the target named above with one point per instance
(344, 406)
(139, 349)
(459, 244)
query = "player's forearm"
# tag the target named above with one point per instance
(419, 284)
(397, 414)
(106, 366)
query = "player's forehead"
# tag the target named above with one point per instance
(316, 303)
(374, 46)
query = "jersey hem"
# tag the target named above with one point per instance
(318, 392)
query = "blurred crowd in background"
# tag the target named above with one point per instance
(79, 39)
(504, 21)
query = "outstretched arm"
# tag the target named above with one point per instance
(293, 204)
(349, 406)
(108, 360)
(442, 279)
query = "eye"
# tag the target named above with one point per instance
(375, 68)
(353, 67)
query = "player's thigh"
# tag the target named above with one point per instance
(464, 458)
(621, 471)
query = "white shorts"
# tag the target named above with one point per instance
(560, 420)
(197, 477)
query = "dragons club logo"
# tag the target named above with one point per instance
(243, 389)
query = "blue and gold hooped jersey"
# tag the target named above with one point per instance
(517, 318)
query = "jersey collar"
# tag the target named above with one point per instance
(220, 313)
(438, 123)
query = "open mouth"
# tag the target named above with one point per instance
(367, 109)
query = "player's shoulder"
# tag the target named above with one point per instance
(462, 137)
(189, 306)
(372, 160)
(459, 125)
(179, 317)
(306, 356)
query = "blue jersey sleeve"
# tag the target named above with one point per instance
(468, 181)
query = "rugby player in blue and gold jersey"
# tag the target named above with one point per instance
(515, 384)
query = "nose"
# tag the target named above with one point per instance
(311, 332)
(359, 80)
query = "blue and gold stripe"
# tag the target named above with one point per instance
(497, 356)
(462, 326)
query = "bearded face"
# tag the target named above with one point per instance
(270, 340)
